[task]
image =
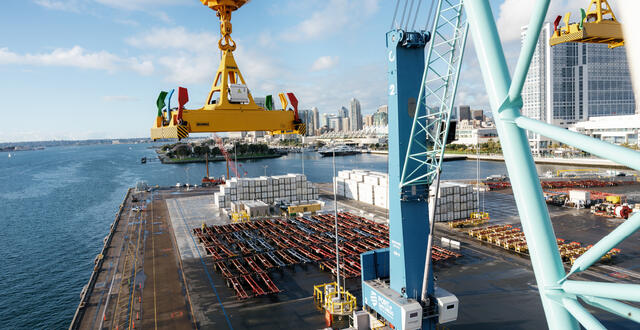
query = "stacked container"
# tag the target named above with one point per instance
(457, 200)
(366, 186)
(290, 187)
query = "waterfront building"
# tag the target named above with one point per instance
(573, 82)
(355, 115)
(366, 136)
(468, 133)
(613, 129)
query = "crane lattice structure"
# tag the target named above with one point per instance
(437, 95)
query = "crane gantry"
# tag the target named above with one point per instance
(229, 107)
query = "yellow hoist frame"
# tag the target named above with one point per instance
(223, 113)
(325, 294)
(597, 25)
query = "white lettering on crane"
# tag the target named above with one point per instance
(392, 89)
(392, 56)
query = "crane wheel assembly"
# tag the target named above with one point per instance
(229, 107)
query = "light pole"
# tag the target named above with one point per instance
(335, 217)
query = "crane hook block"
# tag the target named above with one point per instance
(225, 110)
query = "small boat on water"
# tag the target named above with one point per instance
(143, 160)
(9, 156)
(338, 150)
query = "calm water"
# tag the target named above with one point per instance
(57, 204)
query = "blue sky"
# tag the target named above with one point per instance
(78, 69)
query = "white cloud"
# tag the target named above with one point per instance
(333, 17)
(514, 14)
(324, 63)
(191, 59)
(175, 38)
(119, 98)
(80, 58)
(68, 5)
(139, 4)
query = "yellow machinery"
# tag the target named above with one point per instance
(241, 216)
(312, 207)
(597, 25)
(479, 216)
(559, 172)
(328, 298)
(230, 105)
(614, 199)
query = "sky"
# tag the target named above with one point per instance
(91, 69)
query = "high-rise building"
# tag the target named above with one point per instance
(380, 119)
(346, 124)
(477, 115)
(383, 108)
(335, 123)
(355, 114)
(260, 101)
(308, 119)
(572, 82)
(316, 120)
(368, 120)
(343, 112)
(325, 119)
(464, 112)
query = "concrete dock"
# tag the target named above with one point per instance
(154, 274)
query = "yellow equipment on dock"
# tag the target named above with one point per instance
(241, 216)
(230, 107)
(302, 208)
(597, 25)
(326, 295)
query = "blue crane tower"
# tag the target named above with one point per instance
(421, 95)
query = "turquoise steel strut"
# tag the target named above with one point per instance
(559, 295)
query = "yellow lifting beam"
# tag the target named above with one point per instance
(597, 25)
(229, 107)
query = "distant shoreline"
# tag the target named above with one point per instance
(584, 162)
(17, 150)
